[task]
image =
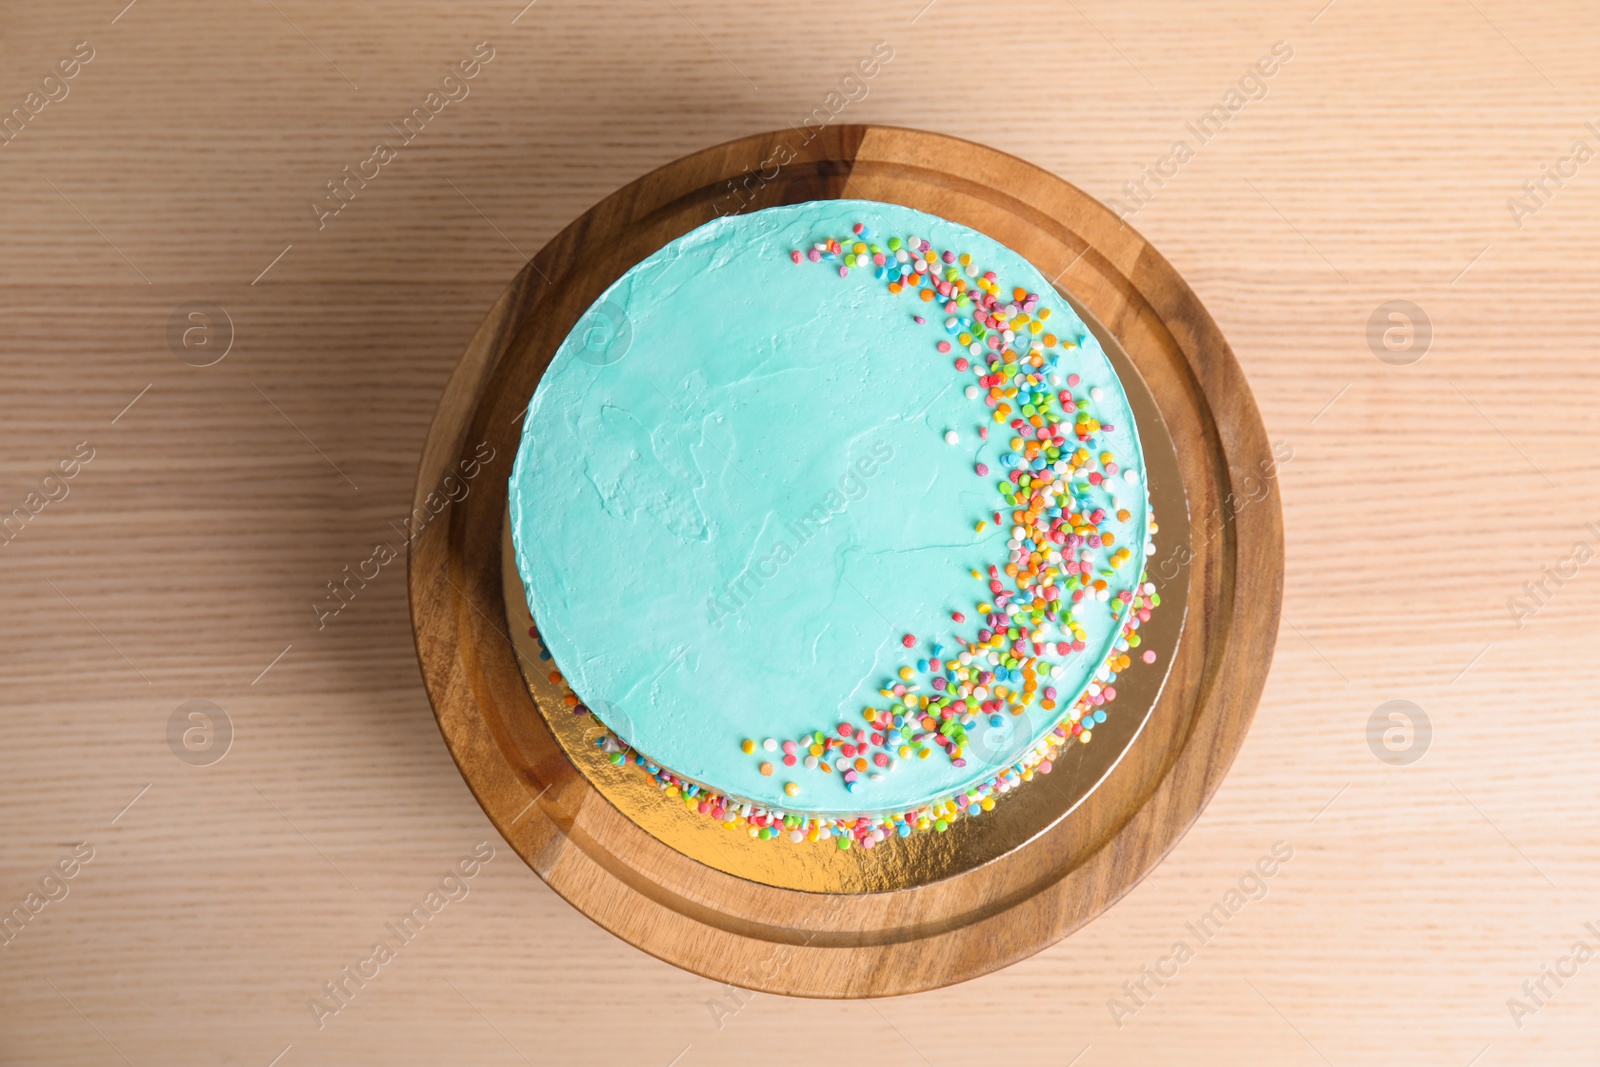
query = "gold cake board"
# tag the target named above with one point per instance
(898, 862)
(923, 911)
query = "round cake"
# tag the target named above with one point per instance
(834, 516)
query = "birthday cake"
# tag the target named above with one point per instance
(834, 517)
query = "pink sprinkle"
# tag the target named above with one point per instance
(844, 272)
(909, 640)
(982, 469)
(983, 432)
(918, 319)
(795, 256)
(1072, 379)
(958, 617)
(857, 228)
(1150, 655)
(814, 256)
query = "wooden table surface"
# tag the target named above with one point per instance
(186, 556)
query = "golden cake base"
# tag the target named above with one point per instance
(899, 862)
(935, 909)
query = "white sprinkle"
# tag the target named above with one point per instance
(973, 392)
(1130, 476)
(952, 438)
(770, 745)
(1097, 393)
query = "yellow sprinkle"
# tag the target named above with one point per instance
(791, 789)
(906, 674)
(749, 747)
(981, 527)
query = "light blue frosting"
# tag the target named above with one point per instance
(734, 496)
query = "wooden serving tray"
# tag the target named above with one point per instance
(1227, 553)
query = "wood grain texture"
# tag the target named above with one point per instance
(1377, 167)
(779, 940)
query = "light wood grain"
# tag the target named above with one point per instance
(198, 538)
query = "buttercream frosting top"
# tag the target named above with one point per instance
(746, 506)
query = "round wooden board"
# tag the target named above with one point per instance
(871, 944)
